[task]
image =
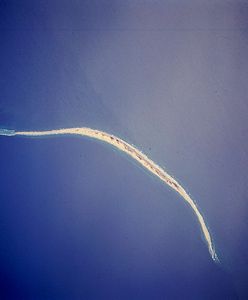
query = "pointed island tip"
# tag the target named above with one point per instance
(7, 132)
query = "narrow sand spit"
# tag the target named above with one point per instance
(135, 154)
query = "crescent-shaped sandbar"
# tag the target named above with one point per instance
(136, 155)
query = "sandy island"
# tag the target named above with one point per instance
(135, 154)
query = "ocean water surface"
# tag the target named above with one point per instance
(80, 220)
(91, 224)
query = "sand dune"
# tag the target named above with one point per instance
(135, 154)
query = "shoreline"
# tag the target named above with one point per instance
(134, 153)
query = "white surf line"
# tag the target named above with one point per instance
(135, 154)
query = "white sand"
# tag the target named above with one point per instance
(142, 159)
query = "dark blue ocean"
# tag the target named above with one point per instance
(79, 219)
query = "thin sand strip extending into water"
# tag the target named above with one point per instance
(135, 154)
